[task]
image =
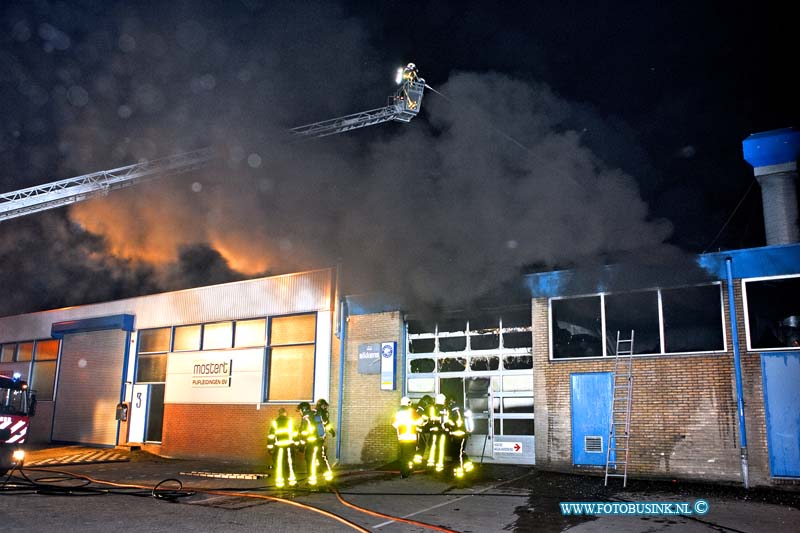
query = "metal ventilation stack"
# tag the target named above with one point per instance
(773, 155)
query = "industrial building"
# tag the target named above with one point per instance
(201, 372)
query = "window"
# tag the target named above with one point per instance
(291, 358)
(484, 363)
(422, 345)
(217, 335)
(186, 338)
(251, 333)
(692, 319)
(151, 367)
(154, 340)
(576, 327)
(43, 376)
(452, 344)
(637, 311)
(452, 364)
(422, 366)
(293, 329)
(517, 362)
(8, 352)
(773, 313)
(25, 351)
(485, 341)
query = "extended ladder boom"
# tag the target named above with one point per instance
(403, 106)
(71, 190)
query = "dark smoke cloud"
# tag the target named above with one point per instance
(493, 177)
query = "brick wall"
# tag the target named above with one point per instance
(224, 432)
(367, 433)
(684, 419)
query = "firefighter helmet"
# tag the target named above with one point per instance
(304, 407)
(281, 412)
(405, 401)
(322, 404)
(411, 66)
(440, 398)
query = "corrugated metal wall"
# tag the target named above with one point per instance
(89, 383)
(278, 295)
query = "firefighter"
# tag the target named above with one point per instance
(281, 442)
(312, 437)
(406, 422)
(462, 427)
(423, 430)
(440, 426)
(321, 407)
(410, 73)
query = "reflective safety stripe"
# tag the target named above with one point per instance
(405, 424)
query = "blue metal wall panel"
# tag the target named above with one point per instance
(591, 409)
(781, 375)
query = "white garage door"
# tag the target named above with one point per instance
(88, 387)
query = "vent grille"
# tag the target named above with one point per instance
(593, 444)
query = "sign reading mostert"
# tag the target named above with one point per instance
(207, 373)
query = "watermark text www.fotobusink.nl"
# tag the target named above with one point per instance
(698, 507)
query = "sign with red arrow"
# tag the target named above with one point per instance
(507, 447)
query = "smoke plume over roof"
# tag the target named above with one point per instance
(491, 178)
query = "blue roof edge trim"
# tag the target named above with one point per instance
(369, 303)
(746, 263)
(123, 322)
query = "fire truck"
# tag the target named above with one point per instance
(17, 405)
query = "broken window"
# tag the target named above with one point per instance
(517, 362)
(517, 339)
(422, 366)
(637, 311)
(452, 344)
(452, 364)
(422, 345)
(692, 319)
(576, 327)
(484, 363)
(486, 341)
(773, 313)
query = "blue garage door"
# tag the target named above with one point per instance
(591, 408)
(781, 374)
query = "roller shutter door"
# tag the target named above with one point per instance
(89, 384)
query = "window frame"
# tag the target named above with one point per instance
(149, 355)
(604, 332)
(268, 358)
(746, 311)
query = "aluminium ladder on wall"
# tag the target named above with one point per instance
(619, 431)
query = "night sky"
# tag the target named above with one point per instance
(569, 134)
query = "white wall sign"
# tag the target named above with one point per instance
(233, 376)
(507, 447)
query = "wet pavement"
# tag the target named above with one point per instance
(228, 496)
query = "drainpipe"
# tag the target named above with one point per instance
(403, 358)
(342, 342)
(737, 365)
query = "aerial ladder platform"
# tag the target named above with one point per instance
(402, 106)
